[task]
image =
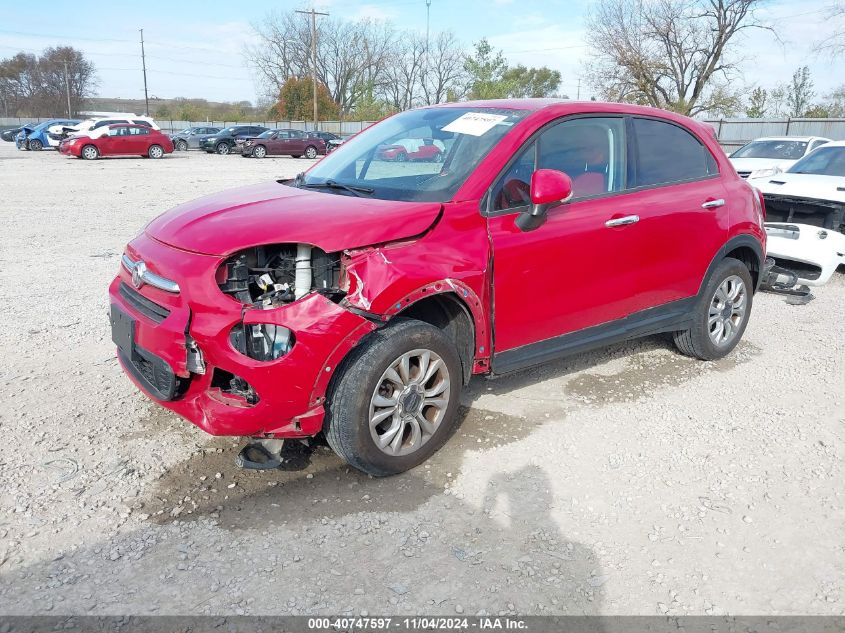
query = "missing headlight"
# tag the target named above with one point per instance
(263, 341)
(273, 275)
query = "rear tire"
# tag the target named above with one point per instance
(89, 152)
(155, 151)
(721, 314)
(311, 152)
(360, 409)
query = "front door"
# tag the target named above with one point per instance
(577, 270)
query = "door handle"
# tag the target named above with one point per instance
(713, 204)
(628, 219)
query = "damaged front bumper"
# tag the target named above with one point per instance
(177, 347)
(809, 252)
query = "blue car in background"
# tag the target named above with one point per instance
(37, 137)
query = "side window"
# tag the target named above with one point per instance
(297, 134)
(139, 131)
(590, 150)
(142, 122)
(513, 189)
(100, 124)
(283, 134)
(119, 130)
(667, 153)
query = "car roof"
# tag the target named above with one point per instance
(803, 139)
(834, 144)
(131, 125)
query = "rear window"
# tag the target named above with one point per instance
(667, 153)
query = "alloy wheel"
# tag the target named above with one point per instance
(156, 152)
(409, 402)
(727, 310)
(89, 152)
(222, 148)
(310, 152)
(259, 152)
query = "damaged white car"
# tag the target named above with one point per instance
(805, 206)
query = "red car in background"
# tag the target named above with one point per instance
(294, 143)
(420, 149)
(118, 140)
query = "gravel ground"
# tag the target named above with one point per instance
(628, 481)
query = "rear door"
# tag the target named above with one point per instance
(298, 142)
(678, 195)
(140, 136)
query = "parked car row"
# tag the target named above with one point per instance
(122, 135)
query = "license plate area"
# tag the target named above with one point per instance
(122, 330)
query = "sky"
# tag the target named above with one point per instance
(194, 48)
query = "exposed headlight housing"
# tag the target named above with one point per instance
(263, 341)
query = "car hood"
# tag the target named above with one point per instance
(802, 186)
(750, 164)
(273, 213)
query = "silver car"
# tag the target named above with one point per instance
(190, 138)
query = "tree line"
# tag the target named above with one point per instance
(38, 85)
(685, 56)
(367, 69)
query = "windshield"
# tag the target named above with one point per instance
(825, 161)
(783, 150)
(424, 154)
(266, 134)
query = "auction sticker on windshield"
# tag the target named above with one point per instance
(474, 123)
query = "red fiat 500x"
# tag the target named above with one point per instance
(359, 298)
(118, 140)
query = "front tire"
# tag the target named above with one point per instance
(89, 152)
(35, 145)
(395, 399)
(721, 313)
(181, 146)
(259, 151)
(222, 148)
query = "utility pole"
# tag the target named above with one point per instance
(314, 15)
(67, 91)
(427, 22)
(144, 66)
(425, 60)
(578, 96)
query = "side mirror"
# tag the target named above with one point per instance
(549, 188)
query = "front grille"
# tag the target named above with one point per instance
(150, 309)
